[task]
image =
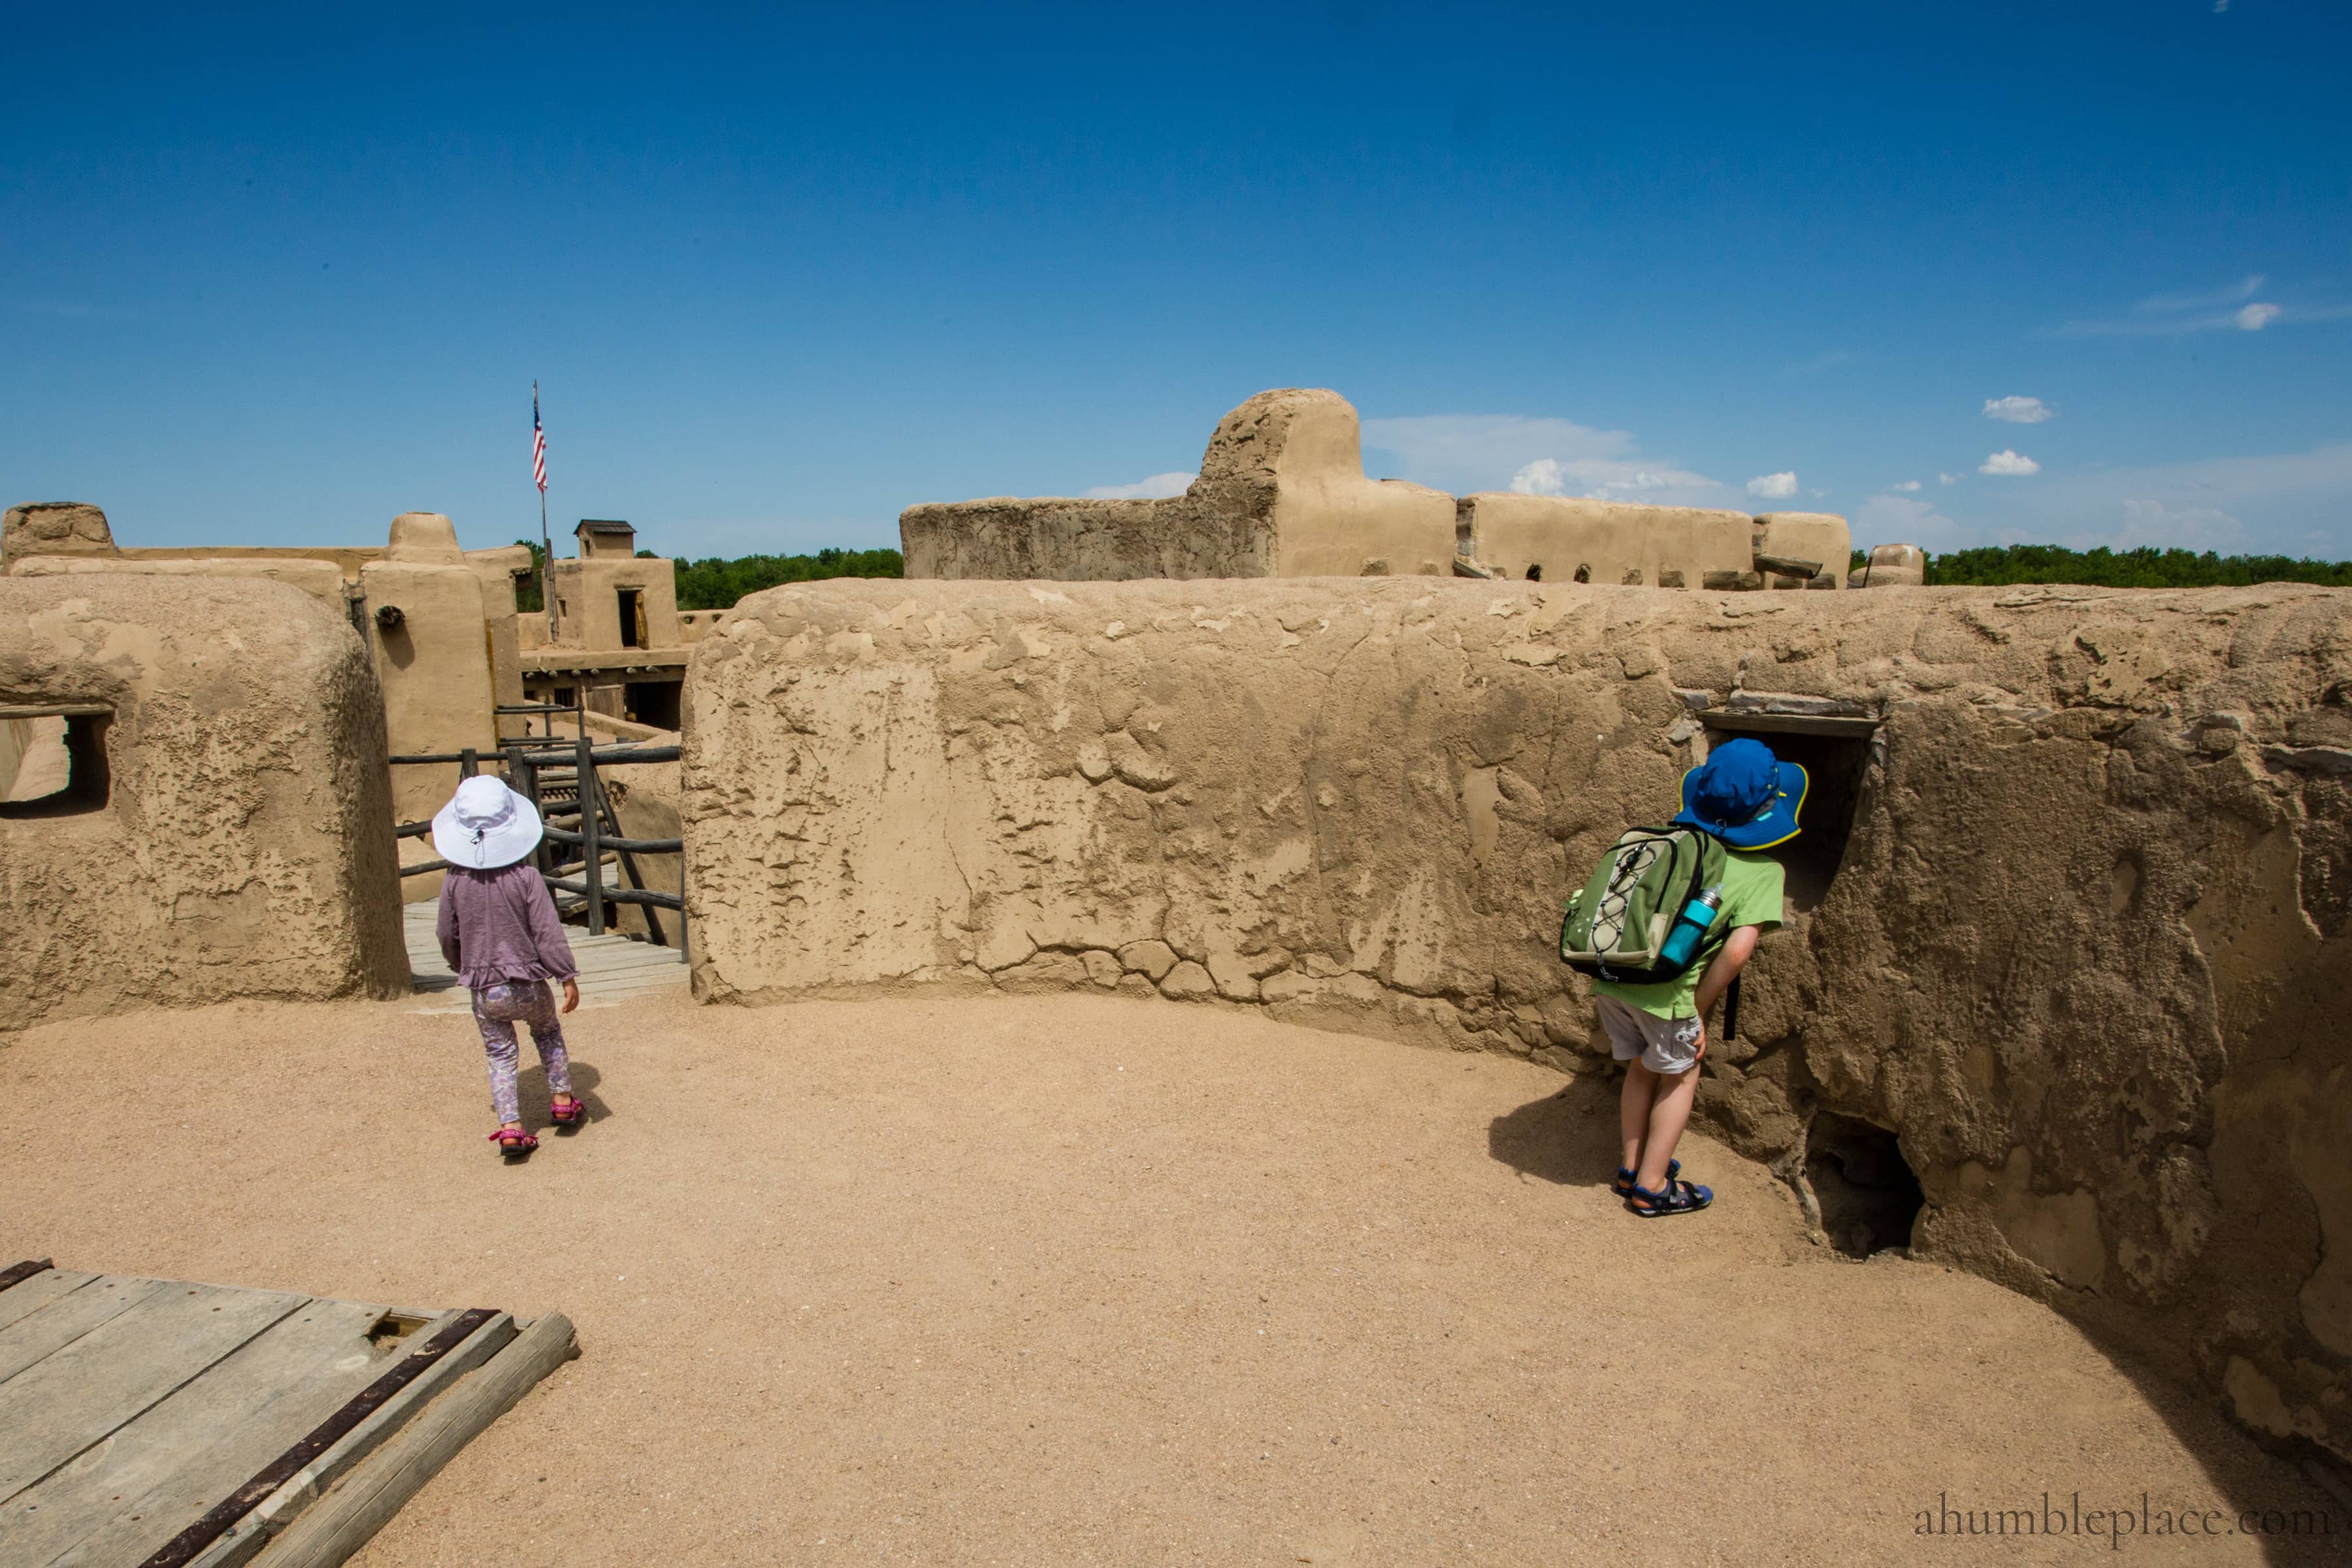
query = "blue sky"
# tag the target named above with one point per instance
(2074, 271)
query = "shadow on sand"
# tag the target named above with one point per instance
(1570, 1138)
(530, 1084)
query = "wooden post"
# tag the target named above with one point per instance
(629, 864)
(590, 849)
(468, 765)
(522, 777)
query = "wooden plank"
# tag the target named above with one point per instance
(76, 1396)
(40, 1334)
(132, 1493)
(30, 1296)
(283, 1506)
(343, 1521)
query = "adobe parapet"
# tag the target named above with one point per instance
(1282, 493)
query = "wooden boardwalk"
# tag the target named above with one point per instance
(162, 1424)
(611, 968)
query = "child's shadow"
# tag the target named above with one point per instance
(1569, 1136)
(532, 1084)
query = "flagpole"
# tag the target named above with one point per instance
(546, 569)
(546, 541)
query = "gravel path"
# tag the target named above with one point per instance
(1076, 1280)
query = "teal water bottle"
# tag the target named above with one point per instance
(1691, 927)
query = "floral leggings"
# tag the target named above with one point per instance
(497, 1009)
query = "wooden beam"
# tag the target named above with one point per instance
(299, 1491)
(17, 1273)
(1742, 721)
(185, 1546)
(343, 1521)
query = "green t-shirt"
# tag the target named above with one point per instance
(1751, 897)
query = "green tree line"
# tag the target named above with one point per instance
(715, 582)
(2146, 567)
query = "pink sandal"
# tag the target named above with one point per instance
(513, 1141)
(569, 1115)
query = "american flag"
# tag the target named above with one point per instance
(538, 443)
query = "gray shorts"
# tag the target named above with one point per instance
(1667, 1045)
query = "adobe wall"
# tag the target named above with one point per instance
(18, 737)
(1281, 493)
(1571, 539)
(245, 848)
(2082, 956)
(53, 527)
(431, 647)
(588, 601)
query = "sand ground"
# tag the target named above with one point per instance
(1069, 1280)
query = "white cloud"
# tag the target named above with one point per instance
(1906, 485)
(2018, 410)
(1541, 477)
(1947, 479)
(2009, 464)
(2228, 294)
(1774, 487)
(1467, 452)
(1158, 487)
(2231, 308)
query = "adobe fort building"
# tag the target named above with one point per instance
(2069, 921)
(441, 626)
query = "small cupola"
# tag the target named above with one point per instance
(606, 539)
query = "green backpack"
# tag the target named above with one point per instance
(1646, 914)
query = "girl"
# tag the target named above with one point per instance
(498, 931)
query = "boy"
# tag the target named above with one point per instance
(1749, 799)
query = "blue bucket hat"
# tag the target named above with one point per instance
(1744, 795)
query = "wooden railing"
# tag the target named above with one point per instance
(598, 831)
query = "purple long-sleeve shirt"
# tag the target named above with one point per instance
(499, 926)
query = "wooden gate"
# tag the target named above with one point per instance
(561, 778)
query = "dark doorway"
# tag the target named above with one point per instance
(1834, 766)
(633, 618)
(1868, 1194)
(654, 703)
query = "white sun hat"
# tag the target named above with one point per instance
(485, 826)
